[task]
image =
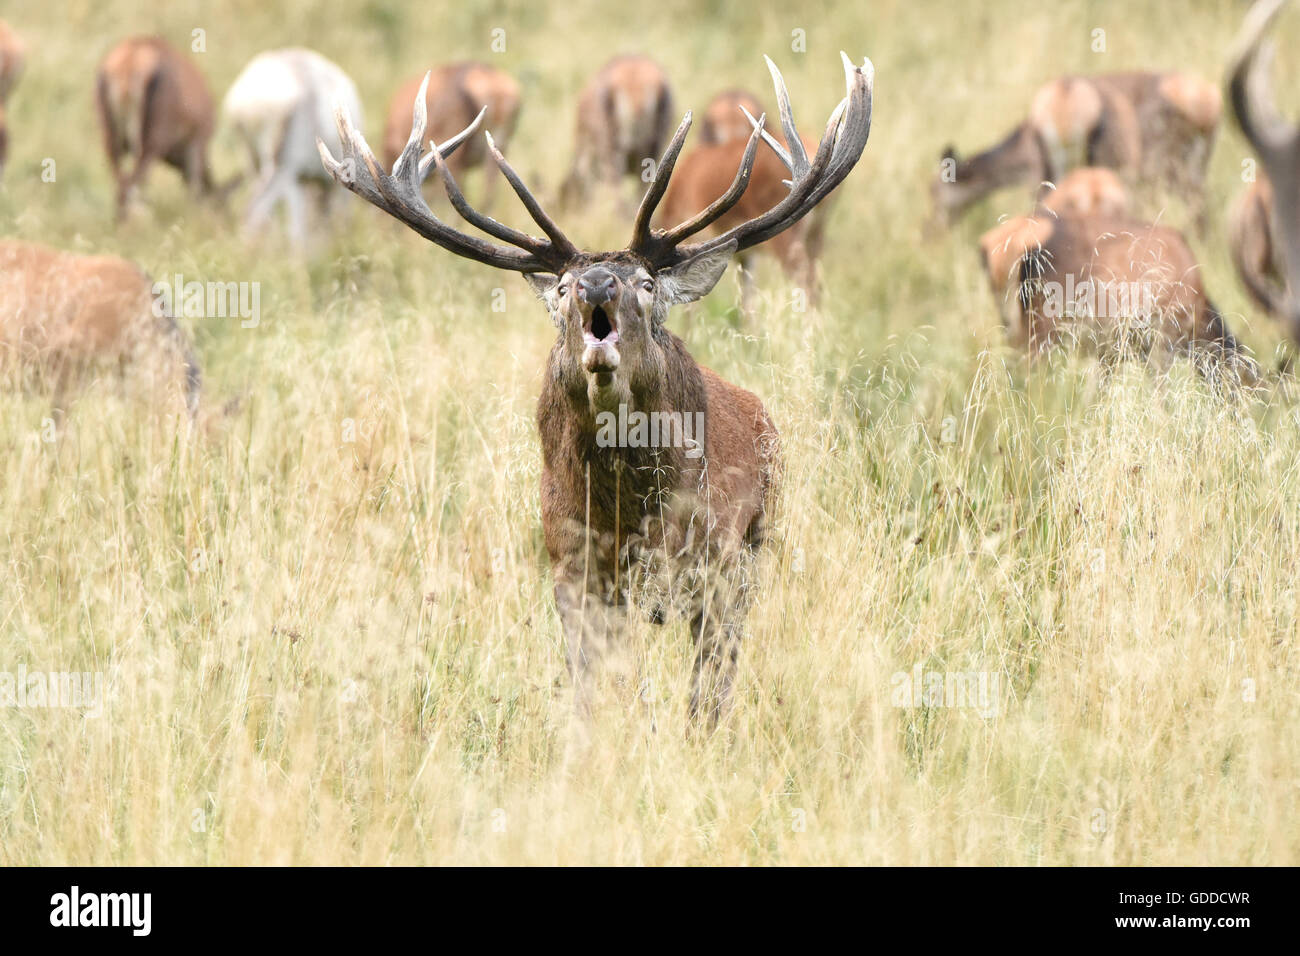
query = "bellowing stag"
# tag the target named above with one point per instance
(11, 66)
(670, 519)
(1150, 127)
(624, 116)
(1267, 236)
(456, 94)
(280, 104)
(153, 105)
(62, 315)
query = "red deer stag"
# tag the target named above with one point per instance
(1150, 127)
(669, 512)
(456, 93)
(624, 116)
(11, 66)
(63, 314)
(704, 172)
(1266, 240)
(153, 105)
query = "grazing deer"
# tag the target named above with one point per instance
(724, 117)
(280, 104)
(624, 117)
(1089, 191)
(62, 314)
(153, 105)
(456, 94)
(1150, 127)
(703, 174)
(668, 517)
(11, 66)
(1267, 233)
(1086, 191)
(1113, 283)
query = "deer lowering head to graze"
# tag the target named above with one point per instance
(1267, 234)
(625, 114)
(1087, 191)
(11, 66)
(1152, 128)
(456, 94)
(657, 476)
(1112, 283)
(64, 315)
(705, 172)
(153, 105)
(279, 105)
(725, 120)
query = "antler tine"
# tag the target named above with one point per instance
(720, 206)
(449, 147)
(1248, 84)
(771, 140)
(840, 149)
(399, 195)
(476, 218)
(798, 156)
(559, 241)
(641, 238)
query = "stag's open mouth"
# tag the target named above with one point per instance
(600, 338)
(599, 328)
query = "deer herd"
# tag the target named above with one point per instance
(672, 527)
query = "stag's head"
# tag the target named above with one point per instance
(1275, 140)
(610, 307)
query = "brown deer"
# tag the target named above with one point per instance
(62, 315)
(153, 105)
(1116, 284)
(624, 118)
(456, 93)
(1266, 233)
(1086, 191)
(1150, 127)
(12, 52)
(1089, 191)
(724, 117)
(669, 512)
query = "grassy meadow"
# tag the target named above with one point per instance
(324, 620)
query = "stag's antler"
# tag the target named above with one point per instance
(1251, 92)
(837, 153)
(398, 194)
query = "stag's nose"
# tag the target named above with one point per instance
(597, 286)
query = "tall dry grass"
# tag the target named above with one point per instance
(327, 651)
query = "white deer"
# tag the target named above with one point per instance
(280, 104)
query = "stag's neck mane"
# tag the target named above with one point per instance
(569, 424)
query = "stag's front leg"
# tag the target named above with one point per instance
(717, 651)
(590, 625)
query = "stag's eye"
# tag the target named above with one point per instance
(563, 290)
(648, 285)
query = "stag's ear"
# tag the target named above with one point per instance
(543, 285)
(696, 277)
